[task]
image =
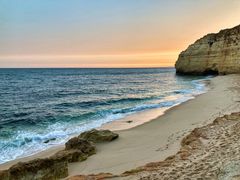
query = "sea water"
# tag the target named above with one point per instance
(41, 108)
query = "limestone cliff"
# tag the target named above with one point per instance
(215, 53)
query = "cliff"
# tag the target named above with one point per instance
(215, 53)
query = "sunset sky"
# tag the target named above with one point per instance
(106, 33)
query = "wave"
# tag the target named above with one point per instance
(25, 144)
(87, 104)
(30, 132)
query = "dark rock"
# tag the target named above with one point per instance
(83, 145)
(4, 175)
(56, 167)
(129, 121)
(74, 155)
(44, 169)
(48, 140)
(98, 136)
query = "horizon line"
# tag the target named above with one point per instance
(87, 67)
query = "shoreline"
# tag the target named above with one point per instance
(148, 116)
(120, 160)
(125, 123)
(160, 138)
(139, 118)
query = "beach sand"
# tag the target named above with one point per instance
(160, 138)
(157, 139)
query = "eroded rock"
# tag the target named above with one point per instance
(76, 150)
(56, 167)
(73, 155)
(44, 169)
(80, 144)
(98, 136)
(215, 53)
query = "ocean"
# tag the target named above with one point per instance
(42, 108)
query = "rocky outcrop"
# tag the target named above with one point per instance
(73, 155)
(216, 53)
(44, 169)
(80, 144)
(56, 166)
(98, 136)
(76, 150)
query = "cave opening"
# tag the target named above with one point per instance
(211, 72)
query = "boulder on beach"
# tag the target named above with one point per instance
(76, 150)
(80, 144)
(48, 168)
(73, 155)
(56, 166)
(98, 136)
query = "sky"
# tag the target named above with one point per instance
(106, 33)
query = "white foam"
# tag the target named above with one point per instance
(28, 143)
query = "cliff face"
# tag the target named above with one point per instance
(213, 54)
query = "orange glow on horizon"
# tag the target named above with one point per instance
(157, 59)
(115, 34)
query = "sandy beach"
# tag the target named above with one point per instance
(128, 90)
(159, 138)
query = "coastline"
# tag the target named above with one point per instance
(117, 125)
(142, 117)
(155, 139)
(139, 118)
(129, 121)
(160, 138)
